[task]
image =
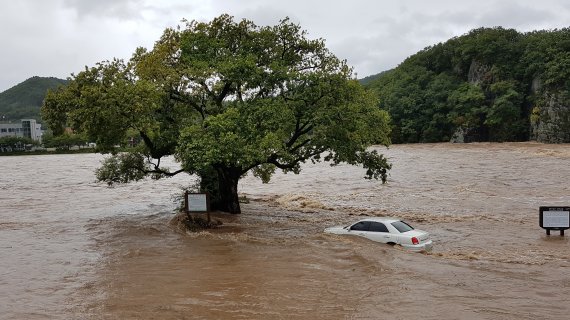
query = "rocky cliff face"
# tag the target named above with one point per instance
(550, 118)
(479, 73)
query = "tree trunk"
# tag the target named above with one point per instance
(228, 179)
(210, 184)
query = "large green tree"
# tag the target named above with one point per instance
(225, 98)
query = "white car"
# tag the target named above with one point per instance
(387, 230)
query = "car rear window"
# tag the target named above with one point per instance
(402, 226)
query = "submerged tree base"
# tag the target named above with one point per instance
(185, 222)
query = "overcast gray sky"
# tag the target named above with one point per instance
(60, 37)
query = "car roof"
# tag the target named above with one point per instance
(381, 219)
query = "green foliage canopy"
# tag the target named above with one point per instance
(484, 82)
(225, 98)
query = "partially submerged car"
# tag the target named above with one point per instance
(387, 230)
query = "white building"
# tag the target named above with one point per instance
(26, 128)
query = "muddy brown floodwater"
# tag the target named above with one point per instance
(72, 248)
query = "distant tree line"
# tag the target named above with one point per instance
(489, 85)
(63, 142)
(13, 143)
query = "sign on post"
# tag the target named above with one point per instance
(197, 203)
(554, 218)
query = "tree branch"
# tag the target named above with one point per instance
(273, 159)
(299, 146)
(159, 171)
(147, 141)
(223, 94)
(176, 96)
(299, 131)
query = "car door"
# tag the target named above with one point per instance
(377, 231)
(360, 228)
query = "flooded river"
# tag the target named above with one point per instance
(72, 248)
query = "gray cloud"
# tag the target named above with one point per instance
(58, 37)
(515, 15)
(122, 9)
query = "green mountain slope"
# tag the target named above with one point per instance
(491, 84)
(25, 99)
(366, 80)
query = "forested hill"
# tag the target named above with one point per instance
(25, 99)
(491, 84)
(366, 80)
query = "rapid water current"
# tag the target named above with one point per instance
(73, 248)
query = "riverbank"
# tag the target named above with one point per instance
(46, 152)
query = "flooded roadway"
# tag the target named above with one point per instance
(72, 248)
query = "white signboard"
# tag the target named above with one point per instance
(197, 202)
(555, 219)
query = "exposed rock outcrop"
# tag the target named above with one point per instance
(550, 120)
(479, 73)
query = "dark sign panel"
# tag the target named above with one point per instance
(554, 218)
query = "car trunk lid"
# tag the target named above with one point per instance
(420, 234)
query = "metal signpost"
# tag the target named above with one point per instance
(554, 218)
